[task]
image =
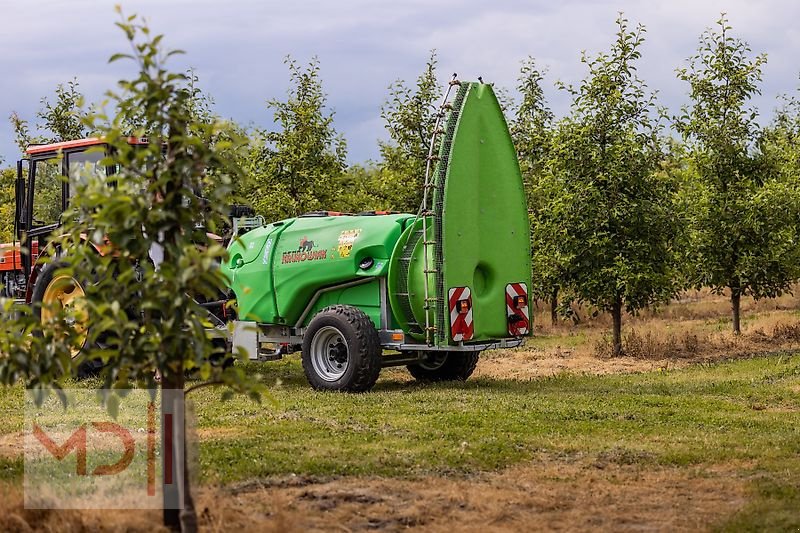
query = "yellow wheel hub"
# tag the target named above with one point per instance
(64, 296)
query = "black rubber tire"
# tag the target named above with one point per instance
(363, 349)
(458, 366)
(86, 369)
(222, 353)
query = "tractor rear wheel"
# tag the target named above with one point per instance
(341, 350)
(55, 293)
(444, 366)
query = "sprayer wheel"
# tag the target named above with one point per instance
(444, 366)
(341, 350)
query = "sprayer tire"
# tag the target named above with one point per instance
(341, 350)
(457, 366)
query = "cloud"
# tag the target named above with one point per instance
(237, 48)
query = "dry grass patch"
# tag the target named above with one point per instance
(550, 494)
(15, 518)
(12, 445)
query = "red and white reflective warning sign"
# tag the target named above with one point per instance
(461, 328)
(517, 309)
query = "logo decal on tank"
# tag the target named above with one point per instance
(346, 240)
(305, 252)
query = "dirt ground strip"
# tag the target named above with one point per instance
(523, 365)
(550, 494)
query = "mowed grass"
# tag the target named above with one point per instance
(744, 414)
(747, 410)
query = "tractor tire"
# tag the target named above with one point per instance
(444, 366)
(49, 287)
(341, 350)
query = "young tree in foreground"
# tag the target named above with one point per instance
(743, 224)
(142, 317)
(618, 226)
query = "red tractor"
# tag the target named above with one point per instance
(46, 180)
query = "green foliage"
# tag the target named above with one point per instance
(410, 117)
(8, 177)
(365, 189)
(532, 122)
(64, 118)
(200, 104)
(22, 135)
(298, 168)
(779, 142)
(532, 132)
(678, 169)
(609, 208)
(743, 216)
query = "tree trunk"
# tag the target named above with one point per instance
(179, 490)
(736, 298)
(616, 314)
(554, 307)
(171, 494)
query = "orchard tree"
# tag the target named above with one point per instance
(532, 122)
(65, 117)
(364, 189)
(8, 178)
(61, 120)
(779, 144)
(409, 116)
(552, 203)
(677, 168)
(531, 130)
(616, 223)
(297, 168)
(743, 217)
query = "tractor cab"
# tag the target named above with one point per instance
(46, 180)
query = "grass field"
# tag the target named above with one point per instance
(705, 442)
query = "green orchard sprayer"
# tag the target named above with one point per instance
(431, 290)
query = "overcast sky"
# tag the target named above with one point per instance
(237, 48)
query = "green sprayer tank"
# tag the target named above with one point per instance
(431, 290)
